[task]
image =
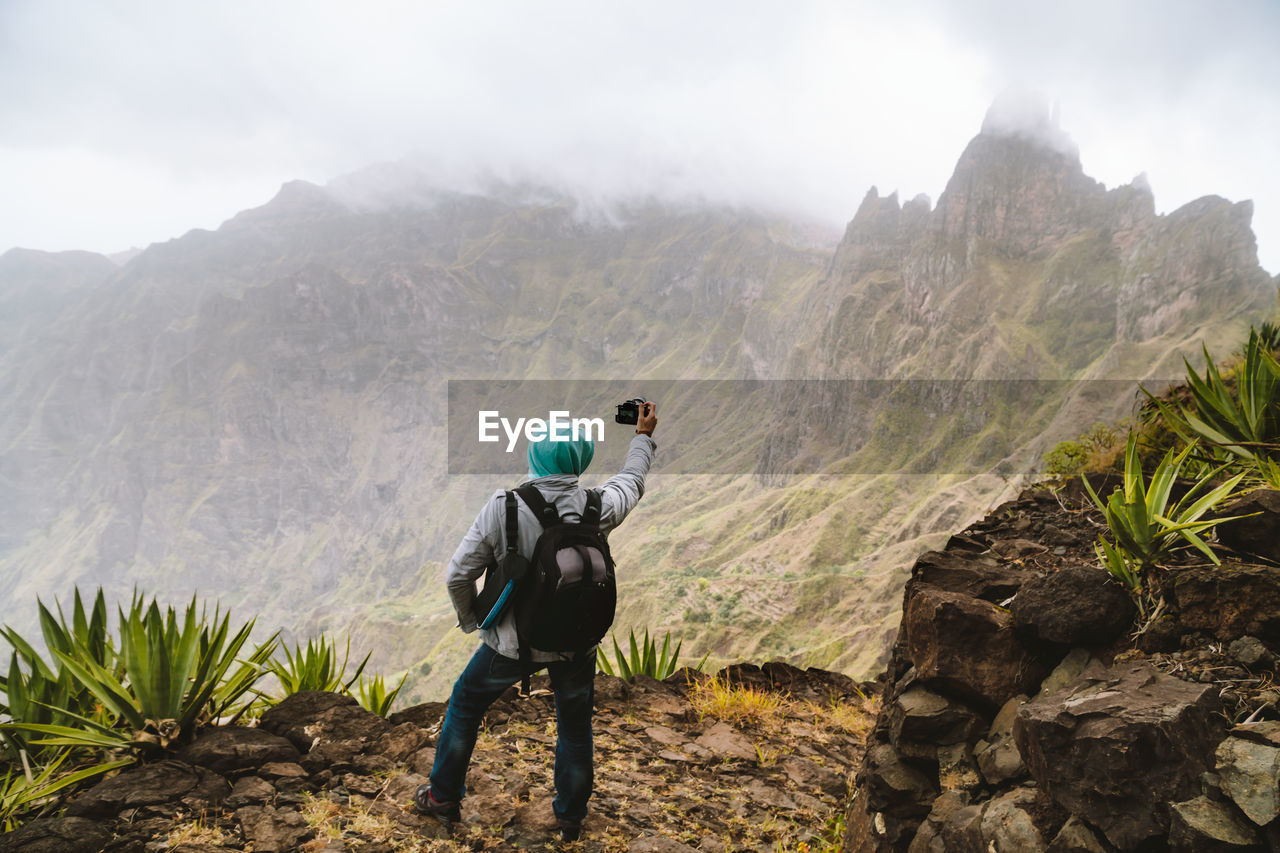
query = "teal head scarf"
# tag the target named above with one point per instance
(548, 457)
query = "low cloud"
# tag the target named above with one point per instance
(126, 125)
(1025, 114)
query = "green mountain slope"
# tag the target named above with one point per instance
(259, 412)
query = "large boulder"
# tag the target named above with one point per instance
(966, 647)
(1119, 744)
(979, 576)
(313, 715)
(428, 715)
(332, 730)
(1076, 605)
(160, 789)
(231, 750)
(1258, 535)
(1230, 601)
(57, 835)
(815, 685)
(1248, 765)
(920, 720)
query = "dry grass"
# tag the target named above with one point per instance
(322, 815)
(196, 832)
(853, 717)
(372, 826)
(360, 827)
(745, 706)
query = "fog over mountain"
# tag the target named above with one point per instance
(132, 123)
(258, 412)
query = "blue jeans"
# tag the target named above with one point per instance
(486, 677)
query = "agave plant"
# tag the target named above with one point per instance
(34, 697)
(1145, 526)
(1269, 472)
(645, 659)
(173, 674)
(1269, 336)
(22, 790)
(373, 696)
(45, 693)
(1243, 422)
(84, 637)
(315, 667)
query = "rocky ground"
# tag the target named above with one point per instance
(757, 758)
(1027, 709)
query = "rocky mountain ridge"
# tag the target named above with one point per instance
(1021, 233)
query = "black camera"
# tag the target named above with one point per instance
(629, 412)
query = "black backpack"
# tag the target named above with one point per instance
(564, 597)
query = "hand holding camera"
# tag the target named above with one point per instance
(641, 412)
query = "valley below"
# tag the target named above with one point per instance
(258, 414)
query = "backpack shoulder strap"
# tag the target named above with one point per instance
(542, 509)
(513, 523)
(591, 512)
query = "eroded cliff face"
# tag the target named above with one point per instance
(1025, 269)
(1028, 268)
(1201, 258)
(259, 412)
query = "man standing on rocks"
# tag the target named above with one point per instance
(554, 467)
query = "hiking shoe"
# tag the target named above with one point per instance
(428, 805)
(570, 831)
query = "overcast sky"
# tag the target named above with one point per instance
(127, 123)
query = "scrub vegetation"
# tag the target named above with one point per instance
(99, 699)
(1204, 442)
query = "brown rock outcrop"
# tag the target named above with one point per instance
(1231, 600)
(1049, 728)
(230, 750)
(967, 647)
(1118, 744)
(160, 790)
(1258, 534)
(1075, 606)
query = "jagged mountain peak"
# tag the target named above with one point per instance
(1028, 266)
(1018, 187)
(1016, 192)
(1019, 182)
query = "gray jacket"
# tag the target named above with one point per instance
(487, 538)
